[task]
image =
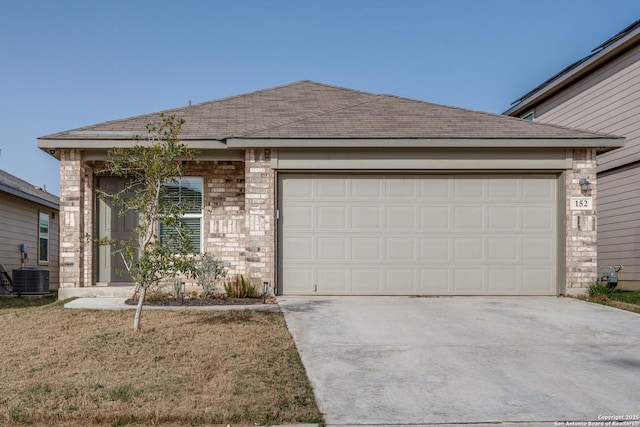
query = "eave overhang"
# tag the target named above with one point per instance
(602, 144)
(30, 197)
(596, 60)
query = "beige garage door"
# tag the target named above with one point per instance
(417, 234)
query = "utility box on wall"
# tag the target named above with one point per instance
(31, 280)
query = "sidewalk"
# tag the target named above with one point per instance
(118, 303)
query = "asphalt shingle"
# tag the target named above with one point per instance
(307, 109)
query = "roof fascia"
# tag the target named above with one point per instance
(603, 143)
(565, 80)
(30, 197)
(52, 144)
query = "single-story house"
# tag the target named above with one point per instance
(29, 229)
(318, 190)
(600, 93)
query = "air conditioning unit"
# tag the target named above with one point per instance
(30, 280)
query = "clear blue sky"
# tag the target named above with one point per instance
(71, 63)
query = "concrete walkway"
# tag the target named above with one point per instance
(118, 303)
(467, 360)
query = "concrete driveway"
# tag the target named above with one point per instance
(467, 360)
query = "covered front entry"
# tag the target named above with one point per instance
(441, 234)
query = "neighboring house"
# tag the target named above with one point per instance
(601, 93)
(29, 216)
(318, 189)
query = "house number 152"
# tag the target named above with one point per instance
(581, 203)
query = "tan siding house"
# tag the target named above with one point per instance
(601, 93)
(322, 190)
(28, 216)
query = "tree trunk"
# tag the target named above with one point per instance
(136, 319)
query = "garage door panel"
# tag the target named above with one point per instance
(435, 218)
(400, 249)
(539, 188)
(300, 188)
(298, 248)
(400, 281)
(435, 189)
(298, 218)
(537, 249)
(502, 218)
(400, 218)
(468, 218)
(503, 280)
(434, 249)
(332, 248)
(332, 218)
(400, 188)
(366, 248)
(366, 218)
(417, 234)
(332, 279)
(468, 249)
(468, 281)
(502, 189)
(299, 280)
(538, 219)
(537, 280)
(366, 280)
(332, 188)
(502, 249)
(366, 189)
(434, 281)
(466, 188)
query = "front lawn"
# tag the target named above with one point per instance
(11, 301)
(631, 297)
(82, 367)
(625, 300)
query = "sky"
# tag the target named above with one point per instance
(65, 64)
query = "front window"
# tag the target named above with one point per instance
(187, 192)
(43, 238)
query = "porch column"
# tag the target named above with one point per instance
(581, 243)
(72, 226)
(259, 217)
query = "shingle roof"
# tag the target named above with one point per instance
(21, 188)
(307, 109)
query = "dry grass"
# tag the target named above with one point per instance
(78, 367)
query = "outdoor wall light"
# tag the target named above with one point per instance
(585, 185)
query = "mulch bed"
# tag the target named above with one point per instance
(198, 302)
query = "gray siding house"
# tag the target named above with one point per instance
(601, 93)
(29, 216)
(323, 190)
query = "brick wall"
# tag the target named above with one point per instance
(72, 226)
(224, 207)
(259, 220)
(581, 243)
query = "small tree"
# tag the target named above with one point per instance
(152, 168)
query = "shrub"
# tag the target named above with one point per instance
(209, 272)
(240, 288)
(599, 291)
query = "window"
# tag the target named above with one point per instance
(187, 191)
(529, 116)
(43, 238)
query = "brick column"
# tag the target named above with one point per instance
(582, 253)
(259, 217)
(71, 219)
(89, 217)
